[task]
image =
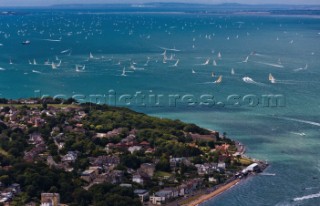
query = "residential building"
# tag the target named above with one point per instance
(50, 199)
(148, 168)
(143, 194)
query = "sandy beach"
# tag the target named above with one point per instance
(213, 194)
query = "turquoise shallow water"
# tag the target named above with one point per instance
(288, 136)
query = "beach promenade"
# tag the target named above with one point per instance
(213, 194)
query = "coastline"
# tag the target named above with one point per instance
(214, 193)
(219, 189)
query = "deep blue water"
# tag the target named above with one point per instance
(288, 47)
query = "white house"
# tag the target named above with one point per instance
(138, 179)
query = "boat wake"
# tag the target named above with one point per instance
(268, 174)
(317, 195)
(65, 51)
(276, 81)
(251, 81)
(53, 40)
(270, 64)
(170, 49)
(301, 68)
(301, 121)
(36, 71)
(299, 133)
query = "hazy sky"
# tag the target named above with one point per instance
(50, 2)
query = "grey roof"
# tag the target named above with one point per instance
(140, 191)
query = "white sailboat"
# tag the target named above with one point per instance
(219, 55)
(91, 56)
(59, 64)
(164, 60)
(279, 61)
(193, 72)
(176, 64)
(124, 72)
(304, 68)
(219, 80)
(10, 62)
(212, 74)
(53, 65)
(272, 79)
(246, 59)
(77, 68)
(30, 61)
(207, 62)
(232, 71)
(34, 62)
(214, 63)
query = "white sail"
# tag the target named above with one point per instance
(272, 79)
(207, 62)
(77, 68)
(232, 71)
(124, 72)
(193, 72)
(34, 62)
(219, 80)
(246, 59)
(58, 65)
(214, 63)
(53, 66)
(176, 64)
(91, 56)
(219, 55)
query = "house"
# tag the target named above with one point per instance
(144, 144)
(34, 152)
(129, 139)
(114, 132)
(206, 169)
(15, 188)
(50, 199)
(222, 165)
(137, 178)
(70, 157)
(212, 180)
(175, 161)
(149, 151)
(190, 186)
(35, 138)
(107, 162)
(162, 196)
(89, 175)
(148, 168)
(143, 194)
(114, 177)
(134, 148)
(101, 135)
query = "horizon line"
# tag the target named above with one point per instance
(158, 3)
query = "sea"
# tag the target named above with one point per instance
(209, 69)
